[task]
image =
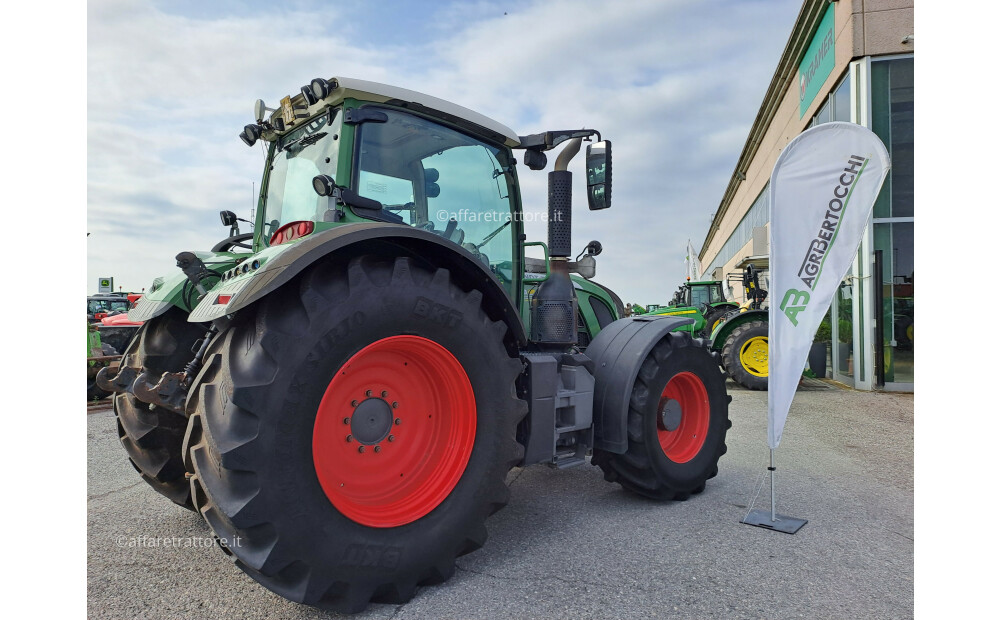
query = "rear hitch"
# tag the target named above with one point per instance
(118, 383)
(170, 390)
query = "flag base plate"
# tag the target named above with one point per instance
(762, 518)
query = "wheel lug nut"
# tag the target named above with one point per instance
(384, 393)
(397, 421)
(368, 392)
(395, 404)
(391, 438)
(350, 438)
(378, 448)
(354, 403)
(361, 449)
(347, 420)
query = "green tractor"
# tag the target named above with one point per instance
(99, 355)
(341, 392)
(740, 337)
(702, 301)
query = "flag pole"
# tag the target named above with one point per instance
(771, 469)
(772, 520)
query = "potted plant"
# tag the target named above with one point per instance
(817, 353)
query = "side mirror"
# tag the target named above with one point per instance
(229, 219)
(324, 185)
(431, 188)
(599, 175)
(587, 266)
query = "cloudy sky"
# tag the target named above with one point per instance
(674, 84)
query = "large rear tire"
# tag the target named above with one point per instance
(152, 435)
(350, 435)
(677, 421)
(744, 355)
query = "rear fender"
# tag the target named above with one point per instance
(286, 262)
(722, 332)
(169, 290)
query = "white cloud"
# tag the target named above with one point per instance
(674, 85)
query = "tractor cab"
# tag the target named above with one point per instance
(100, 306)
(348, 151)
(702, 294)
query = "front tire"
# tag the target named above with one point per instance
(290, 424)
(678, 417)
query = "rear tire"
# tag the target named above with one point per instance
(744, 356)
(152, 437)
(677, 421)
(302, 510)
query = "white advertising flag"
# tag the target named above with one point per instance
(822, 190)
(693, 264)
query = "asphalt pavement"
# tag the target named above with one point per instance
(570, 545)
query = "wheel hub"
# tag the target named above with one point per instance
(753, 356)
(671, 415)
(371, 421)
(684, 412)
(394, 431)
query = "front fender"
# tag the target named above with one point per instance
(618, 352)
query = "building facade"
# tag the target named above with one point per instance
(846, 60)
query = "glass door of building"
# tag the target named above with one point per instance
(843, 333)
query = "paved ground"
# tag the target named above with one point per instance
(570, 545)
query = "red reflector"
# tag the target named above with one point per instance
(292, 230)
(223, 299)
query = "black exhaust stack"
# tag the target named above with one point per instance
(554, 306)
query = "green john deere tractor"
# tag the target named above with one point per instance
(702, 301)
(341, 392)
(740, 337)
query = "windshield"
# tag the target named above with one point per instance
(299, 156)
(432, 177)
(706, 294)
(106, 305)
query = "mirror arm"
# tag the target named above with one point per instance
(550, 139)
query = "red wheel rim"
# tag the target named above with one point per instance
(682, 417)
(386, 472)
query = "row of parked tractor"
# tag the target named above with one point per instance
(737, 333)
(109, 331)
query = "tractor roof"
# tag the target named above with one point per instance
(384, 93)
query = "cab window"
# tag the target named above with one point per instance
(444, 181)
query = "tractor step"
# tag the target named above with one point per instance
(569, 458)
